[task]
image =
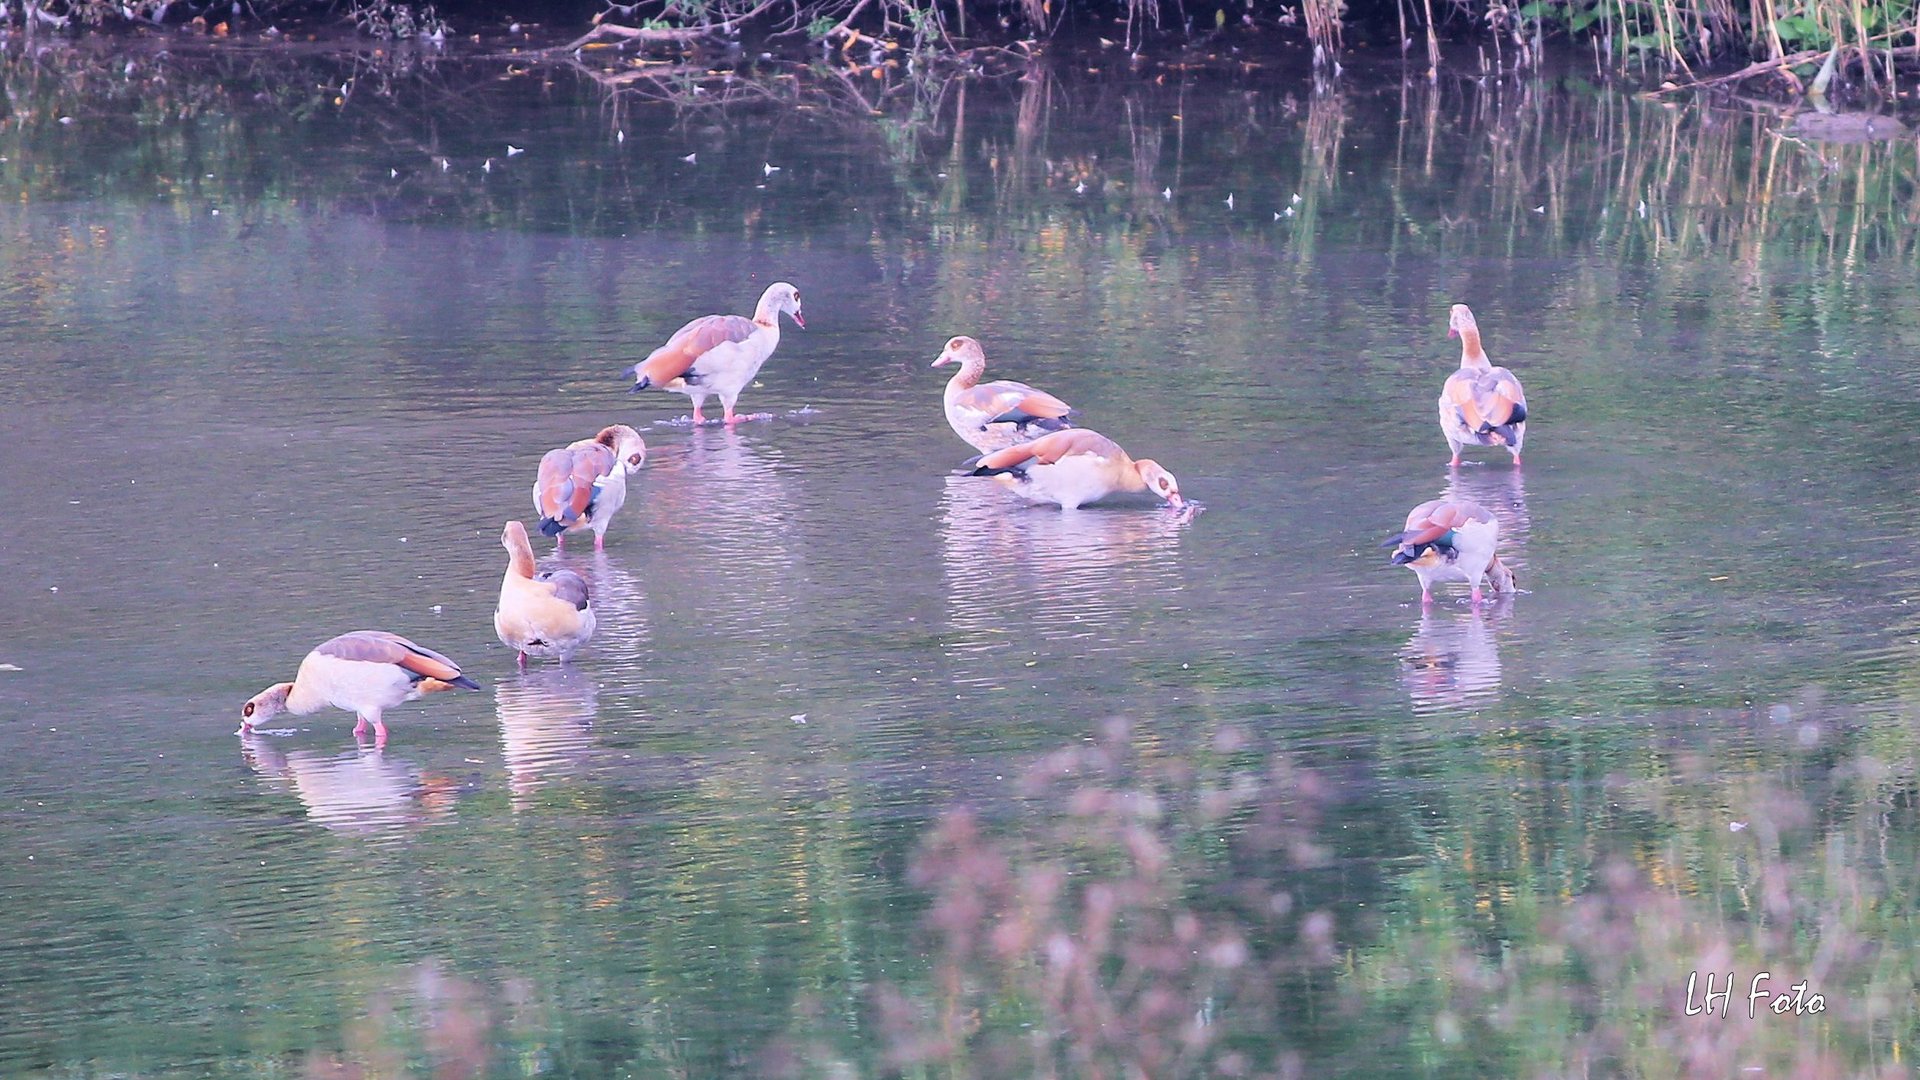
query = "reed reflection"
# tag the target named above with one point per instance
(361, 791)
(1086, 575)
(1453, 659)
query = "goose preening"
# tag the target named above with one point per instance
(583, 485)
(1075, 467)
(541, 613)
(1480, 405)
(1451, 541)
(719, 354)
(364, 672)
(996, 415)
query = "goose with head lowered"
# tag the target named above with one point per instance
(365, 672)
(1451, 541)
(1075, 467)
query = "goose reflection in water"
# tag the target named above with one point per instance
(546, 727)
(1076, 574)
(1453, 659)
(622, 636)
(364, 790)
(725, 506)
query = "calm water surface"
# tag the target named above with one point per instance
(273, 373)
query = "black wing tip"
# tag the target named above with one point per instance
(1023, 419)
(551, 527)
(466, 682)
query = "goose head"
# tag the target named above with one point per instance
(265, 705)
(629, 449)
(782, 296)
(1460, 321)
(963, 351)
(1160, 482)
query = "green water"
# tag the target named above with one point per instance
(829, 794)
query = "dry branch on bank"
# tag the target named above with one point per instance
(1783, 67)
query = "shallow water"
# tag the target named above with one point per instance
(300, 394)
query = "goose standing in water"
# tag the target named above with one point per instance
(1451, 541)
(541, 613)
(1480, 405)
(993, 416)
(583, 485)
(720, 354)
(1075, 467)
(364, 672)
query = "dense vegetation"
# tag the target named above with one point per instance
(1803, 44)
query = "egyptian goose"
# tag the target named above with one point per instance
(544, 613)
(1480, 405)
(364, 672)
(1074, 467)
(1451, 541)
(719, 354)
(993, 416)
(585, 484)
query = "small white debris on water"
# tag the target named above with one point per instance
(798, 718)
(767, 169)
(436, 609)
(513, 150)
